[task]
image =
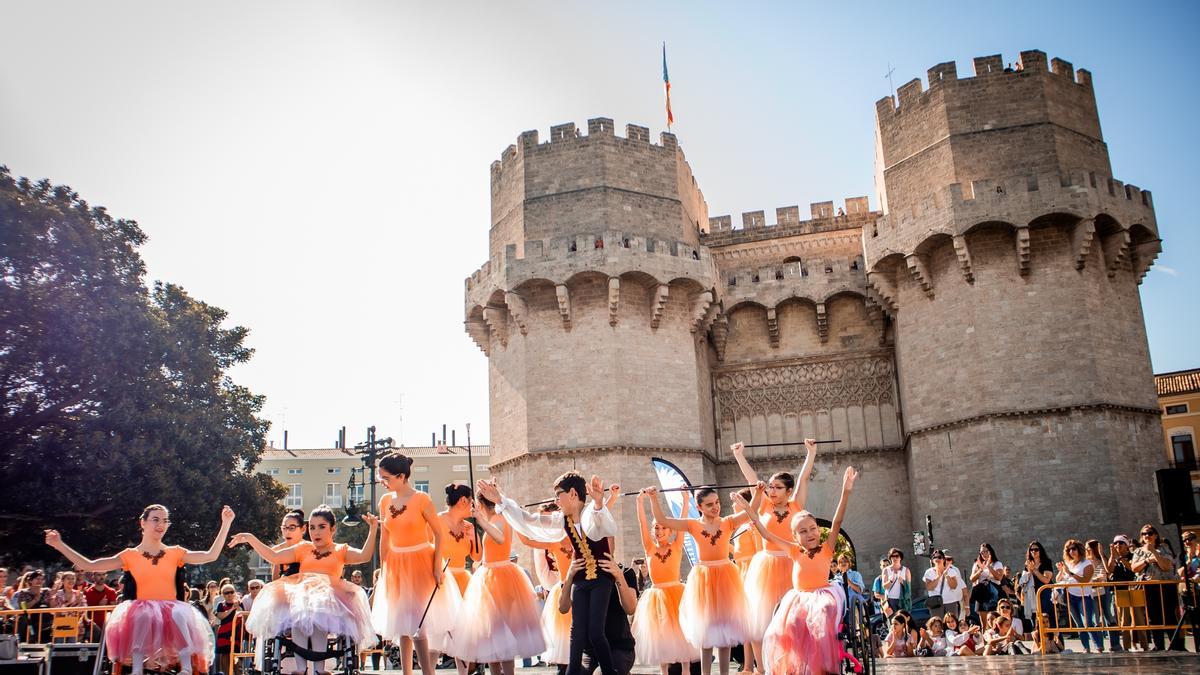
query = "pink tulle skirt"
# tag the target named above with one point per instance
(500, 619)
(557, 627)
(802, 638)
(768, 579)
(657, 634)
(162, 631)
(312, 604)
(713, 609)
(406, 587)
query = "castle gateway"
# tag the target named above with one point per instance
(977, 344)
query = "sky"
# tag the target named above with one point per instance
(320, 170)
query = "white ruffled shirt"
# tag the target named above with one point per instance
(595, 524)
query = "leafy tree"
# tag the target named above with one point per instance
(113, 395)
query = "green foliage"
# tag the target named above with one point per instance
(843, 546)
(113, 395)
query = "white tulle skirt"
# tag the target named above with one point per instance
(657, 634)
(500, 617)
(406, 588)
(312, 604)
(557, 627)
(165, 632)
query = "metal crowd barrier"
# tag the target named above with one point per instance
(244, 645)
(1131, 595)
(55, 625)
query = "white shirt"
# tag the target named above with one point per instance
(595, 524)
(948, 594)
(893, 581)
(984, 575)
(1079, 569)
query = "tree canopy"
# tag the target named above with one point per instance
(114, 394)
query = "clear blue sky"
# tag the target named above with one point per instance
(321, 169)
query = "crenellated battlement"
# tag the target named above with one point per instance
(815, 279)
(1030, 64)
(563, 135)
(824, 218)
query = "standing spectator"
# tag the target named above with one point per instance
(212, 595)
(6, 591)
(877, 590)
(1075, 568)
(32, 594)
(67, 595)
(252, 589)
(986, 573)
(1104, 594)
(1152, 562)
(97, 593)
(944, 581)
(1130, 604)
(643, 574)
(356, 577)
(1191, 557)
(223, 614)
(850, 579)
(1039, 571)
(897, 583)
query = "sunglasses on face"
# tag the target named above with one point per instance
(228, 593)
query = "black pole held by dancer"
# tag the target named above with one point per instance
(776, 445)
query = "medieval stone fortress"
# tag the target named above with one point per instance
(977, 343)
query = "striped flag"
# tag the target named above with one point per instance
(667, 84)
(680, 503)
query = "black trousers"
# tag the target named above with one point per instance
(589, 617)
(1163, 610)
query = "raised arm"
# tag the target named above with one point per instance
(762, 529)
(358, 556)
(534, 543)
(836, 526)
(283, 556)
(547, 527)
(491, 529)
(54, 541)
(739, 453)
(214, 551)
(800, 494)
(656, 508)
(648, 546)
(597, 521)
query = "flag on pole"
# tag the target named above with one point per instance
(680, 503)
(667, 84)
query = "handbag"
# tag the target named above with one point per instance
(934, 602)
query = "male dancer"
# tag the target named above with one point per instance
(589, 528)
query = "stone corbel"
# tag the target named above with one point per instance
(964, 258)
(658, 304)
(614, 299)
(564, 303)
(1144, 255)
(1116, 248)
(478, 331)
(1082, 237)
(919, 273)
(720, 335)
(885, 287)
(1023, 250)
(497, 323)
(517, 309)
(822, 322)
(700, 309)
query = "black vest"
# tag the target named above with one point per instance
(586, 548)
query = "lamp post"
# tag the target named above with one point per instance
(368, 451)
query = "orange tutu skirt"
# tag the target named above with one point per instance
(408, 583)
(657, 634)
(743, 565)
(767, 581)
(557, 627)
(803, 635)
(713, 610)
(500, 619)
(461, 576)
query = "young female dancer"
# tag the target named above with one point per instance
(713, 608)
(769, 576)
(155, 626)
(412, 568)
(316, 601)
(746, 541)
(459, 544)
(501, 621)
(294, 529)
(658, 634)
(803, 635)
(552, 562)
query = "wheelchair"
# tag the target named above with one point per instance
(343, 650)
(858, 639)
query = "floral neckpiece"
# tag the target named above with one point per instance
(321, 555)
(154, 558)
(663, 557)
(712, 538)
(397, 511)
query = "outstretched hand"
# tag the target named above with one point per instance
(226, 514)
(596, 490)
(740, 500)
(240, 538)
(810, 444)
(488, 489)
(53, 538)
(370, 519)
(738, 448)
(650, 492)
(849, 478)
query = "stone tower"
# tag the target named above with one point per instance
(1009, 259)
(593, 310)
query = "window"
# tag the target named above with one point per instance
(272, 472)
(420, 468)
(421, 486)
(1177, 409)
(295, 472)
(483, 467)
(333, 494)
(295, 498)
(460, 467)
(333, 470)
(1184, 452)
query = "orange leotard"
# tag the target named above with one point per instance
(777, 524)
(664, 567)
(456, 547)
(563, 553)
(810, 574)
(747, 543)
(155, 575)
(712, 545)
(404, 524)
(494, 551)
(331, 564)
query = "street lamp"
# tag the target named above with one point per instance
(352, 519)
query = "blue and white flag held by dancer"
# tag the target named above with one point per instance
(681, 503)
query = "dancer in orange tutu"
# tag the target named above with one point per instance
(657, 633)
(552, 563)
(746, 541)
(412, 569)
(317, 601)
(713, 608)
(803, 636)
(460, 543)
(156, 627)
(293, 528)
(769, 576)
(501, 622)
